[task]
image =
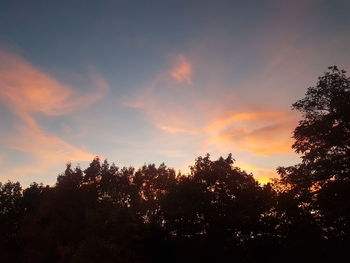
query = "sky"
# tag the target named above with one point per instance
(159, 81)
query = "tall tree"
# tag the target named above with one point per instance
(320, 184)
(323, 135)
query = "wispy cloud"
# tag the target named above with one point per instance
(182, 69)
(27, 91)
(263, 133)
(47, 149)
(224, 127)
(217, 125)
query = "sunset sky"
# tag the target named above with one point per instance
(159, 81)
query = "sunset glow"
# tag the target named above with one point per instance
(166, 85)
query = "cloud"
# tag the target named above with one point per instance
(164, 103)
(172, 129)
(263, 133)
(219, 119)
(47, 149)
(222, 127)
(27, 91)
(182, 69)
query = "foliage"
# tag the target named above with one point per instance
(319, 186)
(323, 136)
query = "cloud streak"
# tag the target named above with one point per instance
(182, 69)
(262, 133)
(216, 125)
(27, 91)
(184, 111)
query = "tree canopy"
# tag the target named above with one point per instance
(323, 135)
(320, 184)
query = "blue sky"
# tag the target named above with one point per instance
(154, 81)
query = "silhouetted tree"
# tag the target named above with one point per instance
(215, 211)
(71, 178)
(323, 136)
(32, 197)
(153, 184)
(319, 186)
(11, 214)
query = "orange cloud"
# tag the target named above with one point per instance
(263, 133)
(182, 70)
(171, 129)
(27, 91)
(228, 118)
(220, 119)
(269, 140)
(220, 126)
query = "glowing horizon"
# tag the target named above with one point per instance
(164, 84)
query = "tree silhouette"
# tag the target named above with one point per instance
(217, 210)
(323, 136)
(11, 214)
(319, 186)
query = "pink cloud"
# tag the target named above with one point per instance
(263, 133)
(218, 119)
(182, 69)
(28, 91)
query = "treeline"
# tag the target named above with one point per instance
(217, 213)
